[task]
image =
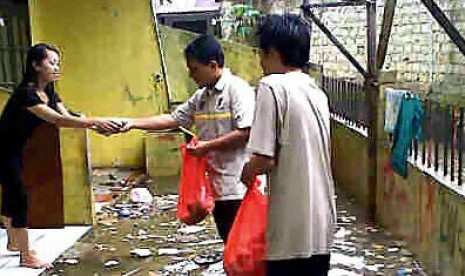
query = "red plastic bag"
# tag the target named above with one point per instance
(245, 250)
(196, 197)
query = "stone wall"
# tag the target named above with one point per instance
(420, 54)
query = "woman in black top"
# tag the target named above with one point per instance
(33, 103)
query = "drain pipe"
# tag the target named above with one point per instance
(164, 69)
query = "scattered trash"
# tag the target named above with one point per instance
(165, 206)
(342, 232)
(209, 242)
(186, 239)
(403, 272)
(342, 272)
(168, 251)
(215, 270)
(208, 259)
(151, 230)
(112, 263)
(190, 230)
(181, 267)
(125, 212)
(406, 253)
(141, 252)
(71, 261)
(103, 197)
(133, 272)
(393, 249)
(141, 195)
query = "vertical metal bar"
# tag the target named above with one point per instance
(344, 95)
(333, 89)
(330, 88)
(349, 93)
(339, 96)
(357, 103)
(436, 139)
(425, 132)
(410, 149)
(429, 150)
(361, 88)
(445, 140)
(339, 102)
(460, 146)
(361, 104)
(453, 142)
(340, 87)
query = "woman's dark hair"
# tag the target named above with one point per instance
(35, 55)
(204, 49)
(288, 35)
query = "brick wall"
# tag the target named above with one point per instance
(420, 54)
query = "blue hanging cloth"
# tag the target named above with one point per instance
(408, 127)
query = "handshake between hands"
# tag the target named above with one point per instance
(110, 126)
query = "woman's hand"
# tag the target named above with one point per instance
(105, 126)
(126, 125)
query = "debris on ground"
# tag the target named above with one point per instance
(141, 252)
(137, 233)
(111, 263)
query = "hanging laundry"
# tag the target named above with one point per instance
(393, 101)
(408, 127)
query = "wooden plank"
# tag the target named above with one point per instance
(371, 38)
(385, 35)
(372, 96)
(309, 15)
(335, 4)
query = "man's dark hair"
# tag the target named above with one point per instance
(288, 35)
(205, 49)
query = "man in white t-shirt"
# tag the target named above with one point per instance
(290, 139)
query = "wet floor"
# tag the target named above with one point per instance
(145, 239)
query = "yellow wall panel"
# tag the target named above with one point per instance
(109, 55)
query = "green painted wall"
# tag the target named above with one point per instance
(429, 216)
(350, 145)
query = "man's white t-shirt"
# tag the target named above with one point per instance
(302, 209)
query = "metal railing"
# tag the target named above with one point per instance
(441, 149)
(346, 99)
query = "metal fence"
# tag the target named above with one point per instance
(441, 149)
(347, 100)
